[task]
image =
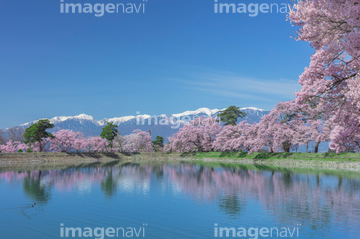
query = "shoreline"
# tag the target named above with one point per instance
(25, 161)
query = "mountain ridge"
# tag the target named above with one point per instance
(89, 126)
(123, 119)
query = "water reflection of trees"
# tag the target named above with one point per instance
(298, 198)
(108, 185)
(34, 189)
(308, 199)
(232, 205)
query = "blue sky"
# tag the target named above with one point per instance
(177, 56)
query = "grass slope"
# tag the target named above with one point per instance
(342, 157)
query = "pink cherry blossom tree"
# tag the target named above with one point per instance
(199, 135)
(13, 147)
(280, 129)
(233, 138)
(67, 141)
(96, 144)
(138, 141)
(262, 136)
(331, 82)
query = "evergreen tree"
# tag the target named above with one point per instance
(37, 132)
(230, 115)
(109, 132)
(158, 143)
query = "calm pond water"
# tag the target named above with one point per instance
(177, 201)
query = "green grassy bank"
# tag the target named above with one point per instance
(323, 161)
(342, 157)
(327, 161)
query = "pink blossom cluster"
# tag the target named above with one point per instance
(13, 147)
(136, 142)
(331, 82)
(70, 141)
(286, 127)
(199, 135)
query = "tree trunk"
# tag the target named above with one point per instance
(307, 147)
(40, 146)
(317, 147)
(317, 180)
(340, 182)
(286, 147)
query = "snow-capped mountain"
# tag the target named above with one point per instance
(92, 127)
(58, 119)
(156, 123)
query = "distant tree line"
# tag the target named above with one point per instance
(37, 138)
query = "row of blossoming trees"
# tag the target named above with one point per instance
(286, 127)
(70, 141)
(328, 105)
(326, 109)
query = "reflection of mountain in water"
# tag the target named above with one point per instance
(310, 199)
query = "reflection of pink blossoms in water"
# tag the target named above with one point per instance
(306, 198)
(289, 196)
(71, 179)
(12, 176)
(60, 179)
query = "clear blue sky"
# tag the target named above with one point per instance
(177, 56)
